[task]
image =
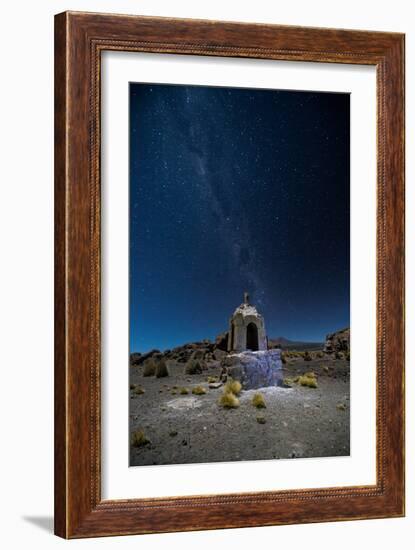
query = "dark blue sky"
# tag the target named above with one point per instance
(237, 189)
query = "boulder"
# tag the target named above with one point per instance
(219, 354)
(255, 369)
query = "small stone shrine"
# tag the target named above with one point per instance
(247, 329)
(249, 359)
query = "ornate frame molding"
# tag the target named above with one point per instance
(79, 40)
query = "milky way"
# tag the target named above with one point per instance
(233, 190)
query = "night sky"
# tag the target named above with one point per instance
(237, 189)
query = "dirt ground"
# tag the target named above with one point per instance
(299, 421)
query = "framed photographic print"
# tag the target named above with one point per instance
(229, 278)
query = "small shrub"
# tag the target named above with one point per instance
(320, 354)
(229, 400)
(133, 386)
(308, 381)
(325, 368)
(341, 407)
(173, 433)
(307, 356)
(199, 390)
(288, 382)
(193, 367)
(233, 386)
(139, 439)
(339, 355)
(161, 369)
(173, 392)
(149, 367)
(258, 401)
(211, 379)
(139, 390)
(184, 391)
(261, 419)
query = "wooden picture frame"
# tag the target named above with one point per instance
(79, 40)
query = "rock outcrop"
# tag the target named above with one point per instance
(205, 350)
(221, 341)
(254, 369)
(338, 342)
(139, 358)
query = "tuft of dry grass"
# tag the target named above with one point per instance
(307, 356)
(184, 391)
(228, 400)
(149, 368)
(199, 390)
(261, 419)
(133, 386)
(139, 390)
(193, 367)
(161, 369)
(139, 439)
(341, 407)
(258, 401)
(233, 386)
(308, 381)
(211, 379)
(288, 382)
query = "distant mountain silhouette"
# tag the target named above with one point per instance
(285, 343)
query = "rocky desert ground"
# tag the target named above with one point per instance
(177, 417)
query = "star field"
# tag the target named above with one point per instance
(231, 190)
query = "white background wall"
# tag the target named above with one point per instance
(26, 268)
